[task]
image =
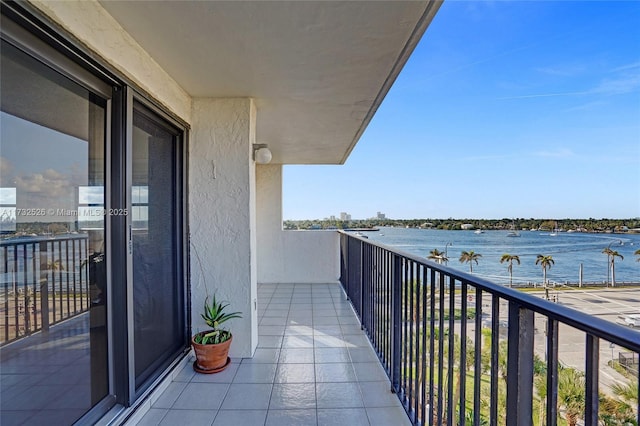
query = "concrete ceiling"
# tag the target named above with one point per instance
(317, 70)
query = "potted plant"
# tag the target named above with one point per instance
(212, 346)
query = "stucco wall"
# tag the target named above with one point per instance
(290, 256)
(221, 213)
(92, 25)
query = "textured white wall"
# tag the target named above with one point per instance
(90, 23)
(222, 213)
(290, 256)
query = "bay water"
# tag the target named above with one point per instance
(569, 251)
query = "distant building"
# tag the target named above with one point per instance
(345, 216)
(332, 217)
(380, 215)
(466, 226)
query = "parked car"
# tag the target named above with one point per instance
(630, 320)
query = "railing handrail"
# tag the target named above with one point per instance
(612, 332)
(407, 304)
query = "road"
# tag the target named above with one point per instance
(607, 304)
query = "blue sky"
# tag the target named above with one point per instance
(505, 109)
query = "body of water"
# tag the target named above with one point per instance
(569, 251)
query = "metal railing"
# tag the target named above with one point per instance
(461, 350)
(44, 280)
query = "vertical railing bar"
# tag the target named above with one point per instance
(451, 403)
(86, 273)
(383, 304)
(73, 260)
(432, 337)
(15, 290)
(380, 306)
(66, 261)
(416, 332)
(81, 268)
(477, 365)
(396, 302)
(409, 336)
(387, 310)
(638, 390)
(552, 372)
(44, 285)
(61, 313)
(513, 341)
(520, 364)
(364, 282)
(5, 250)
(25, 286)
(591, 381)
(440, 349)
(35, 286)
(423, 325)
(375, 302)
(348, 269)
(372, 295)
(463, 353)
(495, 336)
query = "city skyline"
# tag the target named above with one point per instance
(505, 109)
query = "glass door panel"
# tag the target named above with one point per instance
(158, 295)
(53, 292)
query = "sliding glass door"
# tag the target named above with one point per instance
(156, 223)
(53, 285)
(92, 279)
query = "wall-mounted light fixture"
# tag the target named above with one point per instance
(261, 153)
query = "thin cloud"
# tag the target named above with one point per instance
(543, 95)
(488, 157)
(559, 153)
(627, 67)
(586, 106)
(562, 71)
(618, 86)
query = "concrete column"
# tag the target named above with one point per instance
(222, 205)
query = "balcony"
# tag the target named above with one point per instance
(313, 366)
(313, 361)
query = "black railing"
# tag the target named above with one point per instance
(456, 356)
(44, 280)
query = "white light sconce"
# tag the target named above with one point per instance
(261, 153)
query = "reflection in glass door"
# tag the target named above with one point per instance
(53, 292)
(158, 287)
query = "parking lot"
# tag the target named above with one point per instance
(608, 304)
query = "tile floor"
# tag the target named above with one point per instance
(313, 366)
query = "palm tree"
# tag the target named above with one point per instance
(608, 251)
(545, 262)
(611, 259)
(438, 256)
(510, 258)
(571, 394)
(637, 253)
(470, 257)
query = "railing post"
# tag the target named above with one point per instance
(362, 280)
(44, 287)
(520, 366)
(396, 307)
(591, 379)
(552, 372)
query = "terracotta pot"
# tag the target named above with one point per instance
(211, 358)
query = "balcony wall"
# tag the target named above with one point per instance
(289, 256)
